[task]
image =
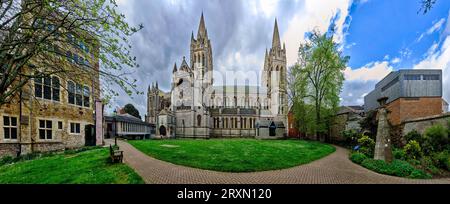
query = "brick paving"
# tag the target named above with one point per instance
(333, 169)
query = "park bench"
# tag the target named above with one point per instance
(115, 154)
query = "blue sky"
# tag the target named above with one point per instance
(379, 35)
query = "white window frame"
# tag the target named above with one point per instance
(75, 128)
(46, 129)
(52, 87)
(10, 127)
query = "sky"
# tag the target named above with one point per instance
(380, 36)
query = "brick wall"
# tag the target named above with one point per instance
(411, 108)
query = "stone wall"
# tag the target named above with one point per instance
(337, 127)
(9, 149)
(421, 124)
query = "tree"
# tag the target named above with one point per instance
(130, 109)
(35, 36)
(427, 5)
(318, 83)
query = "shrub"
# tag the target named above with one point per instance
(427, 164)
(414, 135)
(442, 160)
(412, 150)
(367, 145)
(358, 157)
(350, 137)
(419, 174)
(396, 168)
(6, 160)
(398, 154)
(436, 139)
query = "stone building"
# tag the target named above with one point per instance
(346, 119)
(126, 126)
(411, 94)
(57, 111)
(201, 110)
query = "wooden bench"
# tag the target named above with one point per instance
(115, 154)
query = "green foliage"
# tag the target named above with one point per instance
(358, 157)
(398, 154)
(370, 124)
(130, 109)
(442, 159)
(235, 155)
(435, 139)
(412, 150)
(317, 82)
(419, 174)
(396, 168)
(367, 145)
(42, 31)
(6, 160)
(414, 135)
(350, 137)
(427, 164)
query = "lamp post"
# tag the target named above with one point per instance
(115, 127)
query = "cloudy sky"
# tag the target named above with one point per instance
(379, 35)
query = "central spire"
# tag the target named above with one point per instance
(202, 33)
(276, 36)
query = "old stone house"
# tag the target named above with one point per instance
(58, 111)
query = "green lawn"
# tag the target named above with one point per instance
(88, 167)
(235, 155)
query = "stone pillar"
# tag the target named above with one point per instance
(383, 142)
(99, 123)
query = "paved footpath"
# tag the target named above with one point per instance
(333, 169)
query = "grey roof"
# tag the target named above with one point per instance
(125, 118)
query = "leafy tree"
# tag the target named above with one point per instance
(130, 109)
(318, 82)
(427, 5)
(36, 36)
(369, 124)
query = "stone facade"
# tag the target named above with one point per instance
(46, 118)
(201, 110)
(421, 124)
(347, 118)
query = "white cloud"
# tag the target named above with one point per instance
(395, 60)
(314, 15)
(439, 59)
(371, 71)
(435, 27)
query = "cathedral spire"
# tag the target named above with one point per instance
(192, 36)
(276, 36)
(174, 68)
(202, 33)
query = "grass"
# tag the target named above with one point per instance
(235, 155)
(87, 167)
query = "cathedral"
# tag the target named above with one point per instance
(196, 108)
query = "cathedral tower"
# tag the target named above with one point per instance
(201, 54)
(274, 75)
